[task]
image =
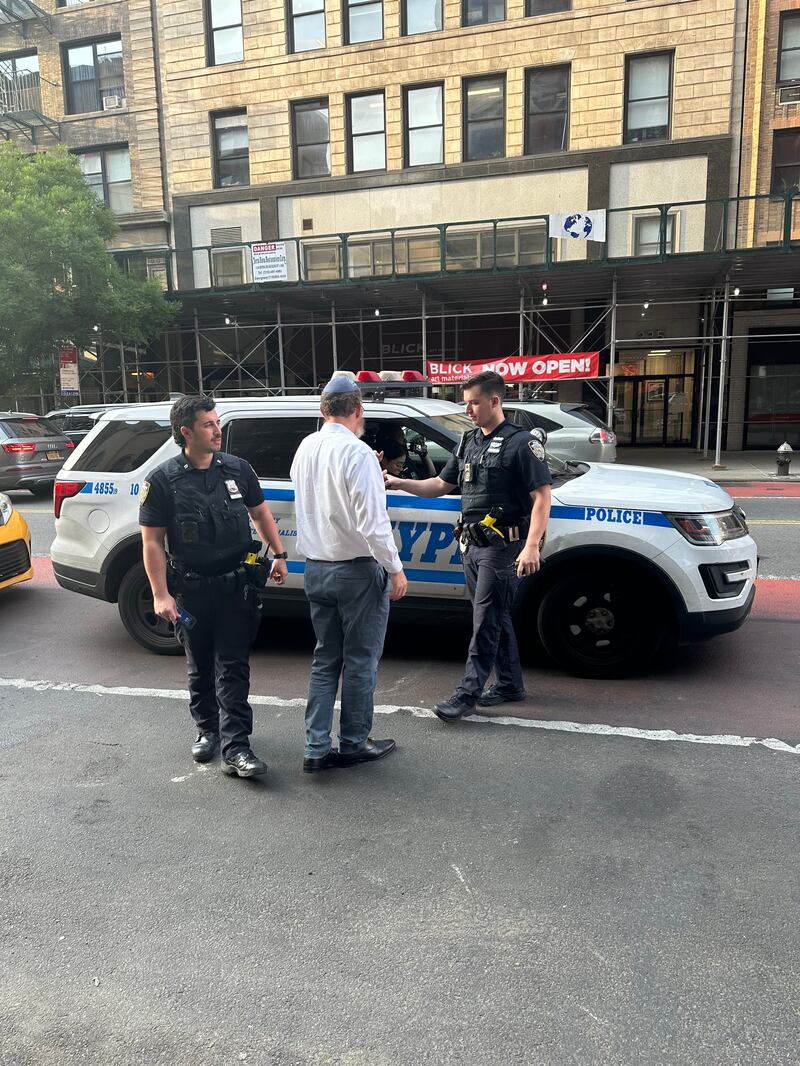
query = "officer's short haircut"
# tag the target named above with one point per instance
(489, 383)
(340, 404)
(184, 412)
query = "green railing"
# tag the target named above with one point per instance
(648, 232)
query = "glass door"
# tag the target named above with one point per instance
(652, 401)
(624, 410)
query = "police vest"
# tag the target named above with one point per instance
(485, 483)
(209, 533)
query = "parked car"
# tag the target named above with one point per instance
(633, 556)
(573, 432)
(75, 422)
(31, 452)
(15, 545)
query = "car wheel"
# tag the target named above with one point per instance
(135, 603)
(43, 489)
(602, 623)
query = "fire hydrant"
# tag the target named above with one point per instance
(784, 459)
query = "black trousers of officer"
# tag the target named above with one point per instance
(217, 650)
(491, 576)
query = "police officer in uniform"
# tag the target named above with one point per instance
(195, 507)
(502, 473)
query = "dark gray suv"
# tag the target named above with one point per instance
(32, 452)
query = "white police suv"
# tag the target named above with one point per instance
(633, 556)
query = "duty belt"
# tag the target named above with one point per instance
(188, 581)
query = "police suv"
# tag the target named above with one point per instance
(633, 556)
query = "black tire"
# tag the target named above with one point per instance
(607, 622)
(135, 603)
(43, 489)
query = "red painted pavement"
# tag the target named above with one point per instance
(767, 489)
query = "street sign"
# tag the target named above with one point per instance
(68, 371)
(269, 262)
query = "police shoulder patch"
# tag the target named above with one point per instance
(144, 491)
(537, 449)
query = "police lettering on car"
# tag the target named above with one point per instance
(196, 508)
(504, 480)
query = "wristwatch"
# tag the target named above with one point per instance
(281, 555)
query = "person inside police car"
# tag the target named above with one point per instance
(195, 512)
(502, 473)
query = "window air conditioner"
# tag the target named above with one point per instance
(111, 102)
(789, 94)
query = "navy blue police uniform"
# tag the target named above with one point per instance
(496, 473)
(205, 513)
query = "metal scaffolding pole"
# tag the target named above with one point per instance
(333, 337)
(612, 355)
(361, 339)
(380, 345)
(281, 364)
(521, 337)
(703, 363)
(723, 366)
(168, 359)
(424, 338)
(709, 375)
(101, 360)
(197, 353)
(313, 354)
(122, 372)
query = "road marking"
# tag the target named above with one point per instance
(773, 521)
(461, 878)
(727, 740)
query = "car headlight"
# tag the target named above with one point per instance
(711, 528)
(6, 507)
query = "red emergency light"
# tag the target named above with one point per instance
(367, 375)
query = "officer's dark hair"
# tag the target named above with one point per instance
(391, 448)
(488, 382)
(184, 412)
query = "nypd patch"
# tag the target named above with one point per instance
(538, 449)
(144, 492)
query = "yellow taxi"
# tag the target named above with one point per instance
(15, 545)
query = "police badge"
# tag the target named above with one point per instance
(538, 450)
(144, 492)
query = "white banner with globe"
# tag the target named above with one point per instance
(579, 226)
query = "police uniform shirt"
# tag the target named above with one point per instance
(158, 506)
(517, 455)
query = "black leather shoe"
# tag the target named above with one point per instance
(205, 747)
(243, 764)
(328, 761)
(490, 697)
(373, 749)
(453, 709)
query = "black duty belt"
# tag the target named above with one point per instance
(188, 581)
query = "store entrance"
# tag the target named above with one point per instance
(651, 407)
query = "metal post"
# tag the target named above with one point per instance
(100, 354)
(709, 376)
(237, 353)
(197, 354)
(313, 353)
(723, 367)
(703, 362)
(361, 338)
(424, 339)
(281, 365)
(380, 344)
(168, 358)
(138, 373)
(612, 355)
(122, 372)
(333, 337)
(521, 334)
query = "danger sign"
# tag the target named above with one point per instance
(524, 368)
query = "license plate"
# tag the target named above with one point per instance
(54, 455)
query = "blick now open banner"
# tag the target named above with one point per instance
(522, 368)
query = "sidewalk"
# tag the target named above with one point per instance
(739, 466)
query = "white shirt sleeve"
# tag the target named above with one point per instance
(368, 497)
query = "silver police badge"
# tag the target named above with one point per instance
(538, 450)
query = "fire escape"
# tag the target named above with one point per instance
(20, 83)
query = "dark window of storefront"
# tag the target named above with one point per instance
(772, 407)
(654, 397)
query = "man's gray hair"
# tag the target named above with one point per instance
(340, 404)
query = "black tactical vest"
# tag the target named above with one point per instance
(485, 483)
(209, 532)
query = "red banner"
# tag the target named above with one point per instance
(522, 368)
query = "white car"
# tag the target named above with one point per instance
(633, 556)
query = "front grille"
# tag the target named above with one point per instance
(14, 559)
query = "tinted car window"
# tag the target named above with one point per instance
(531, 420)
(268, 444)
(586, 416)
(121, 447)
(73, 422)
(27, 427)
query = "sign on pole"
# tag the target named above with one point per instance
(68, 371)
(522, 368)
(269, 262)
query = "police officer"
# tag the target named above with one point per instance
(504, 479)
(198, 502)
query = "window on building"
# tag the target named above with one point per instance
(19, 83)
(786, 161)
(363, 21)
(95, 79)
(647, 97)
(421, 16)
(231, 149)
(789, 52)
(546, 7)
(484, 117)
(312, 139)
(107, 172)
(228, 268)
(424, 125)
(647, 235)
(306, 25)
(477, 12)
(366, 120)
(225, 33)
(546, 110)
(70, 3)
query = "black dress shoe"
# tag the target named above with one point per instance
(373, 749)
(490, 697)
(328, 761)
(243, 764)
(205, 747)
(453, 709)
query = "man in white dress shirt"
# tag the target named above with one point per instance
(352, 571)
